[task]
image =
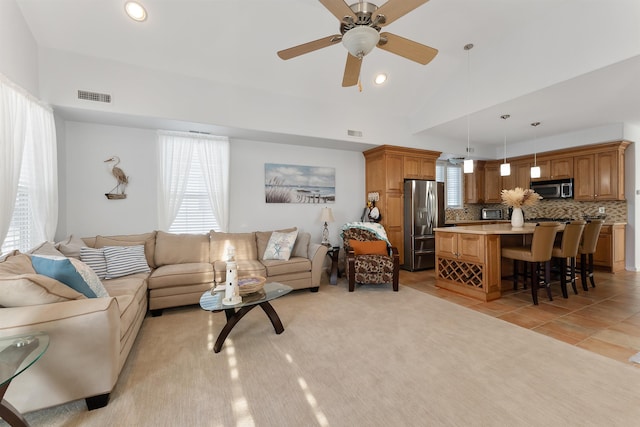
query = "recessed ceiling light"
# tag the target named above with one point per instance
(135, 11)
(380, 78)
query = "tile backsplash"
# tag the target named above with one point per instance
(616, 211)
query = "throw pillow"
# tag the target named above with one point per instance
(90, 277)
(262, 238)
(22, 290)
(46, 248)
(125, 260)
(63, 271)
(301, 248)
(95, 259)
(280, 245)
(71, 247)
(146, 239)
(371, 247)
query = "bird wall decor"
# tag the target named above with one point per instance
(117, 192)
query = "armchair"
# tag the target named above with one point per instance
(370, 256)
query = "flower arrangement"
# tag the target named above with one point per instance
(519, 197)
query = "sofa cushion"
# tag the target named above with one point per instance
(370, 247)
(146, 239)
(47, 249)
(181, 274)
(293, 265)
(34, 289)
(181, 248)
(262, 239)
(71, 246)
(95, 259)
(21, 286)
(125, 260)
(244, 244)
(301, 247)
(246, 267)
(62, 270)
(280, 245)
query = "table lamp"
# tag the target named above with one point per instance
(326, 216)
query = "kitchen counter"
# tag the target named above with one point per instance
(459, 222)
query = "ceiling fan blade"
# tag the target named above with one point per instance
(339, 9)
(351, 71)
(394, 9)
(407, 48)
(292, 52)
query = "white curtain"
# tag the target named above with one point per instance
(27, 124)
(176, 152)
(43, 193)
(214, 158)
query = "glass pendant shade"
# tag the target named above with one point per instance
(535, 172)
(505, 169)
(468, 166)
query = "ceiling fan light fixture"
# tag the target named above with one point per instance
(380, 79)
(135, 11)
(360, 40)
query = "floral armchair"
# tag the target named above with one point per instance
(370, 257)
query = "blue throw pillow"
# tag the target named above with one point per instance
(63, 271)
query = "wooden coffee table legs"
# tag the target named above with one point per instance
(234, 317)
(8, 412)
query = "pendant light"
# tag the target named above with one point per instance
(535, 169)
(468, 163)
(505, 168)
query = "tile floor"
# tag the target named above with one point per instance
(605, 320)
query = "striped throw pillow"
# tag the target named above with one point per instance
(95, 259)
(124, 260)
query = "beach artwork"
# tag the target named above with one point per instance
(299, 184)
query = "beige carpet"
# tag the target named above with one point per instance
(368, 358)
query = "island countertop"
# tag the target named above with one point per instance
(486, 229)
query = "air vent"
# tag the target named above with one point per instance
(94, 96)
(352, 132)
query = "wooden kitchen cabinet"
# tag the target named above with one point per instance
(610, 251)
(558, 168)
(474, 184)
(419, 168)
(492, 183)
(386, 168)
(600, 175)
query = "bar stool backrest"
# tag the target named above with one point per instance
(542, 242)
(571, 237)
(590, 236)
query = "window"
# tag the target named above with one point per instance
(452, 177)
(193, 176)
(28, 178)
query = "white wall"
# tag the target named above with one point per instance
(18, 48)
(632, 185)
(86, 211)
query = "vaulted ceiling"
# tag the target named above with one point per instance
(571, 64)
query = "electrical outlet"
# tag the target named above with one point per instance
(601, 209)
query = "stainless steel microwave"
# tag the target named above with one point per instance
(556, 189)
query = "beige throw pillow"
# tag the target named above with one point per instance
(262, 239)
(34, 289)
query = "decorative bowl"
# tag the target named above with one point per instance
(250, 284)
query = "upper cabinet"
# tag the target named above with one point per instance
(419, 167)
(597, 171)
(600, 175)
(474, 184)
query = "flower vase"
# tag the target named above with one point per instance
(517, 218)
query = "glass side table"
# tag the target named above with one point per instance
(17, 354)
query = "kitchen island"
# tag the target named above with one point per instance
(468, 258)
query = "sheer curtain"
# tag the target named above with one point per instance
(27, 147)
(176, 153)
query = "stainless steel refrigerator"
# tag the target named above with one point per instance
(423, 211)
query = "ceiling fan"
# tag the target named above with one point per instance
(360, 25)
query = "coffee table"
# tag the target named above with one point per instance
(17, 354)
(212, 301)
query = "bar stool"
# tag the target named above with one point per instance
(538, 253)
(586, 250)
(568, 250)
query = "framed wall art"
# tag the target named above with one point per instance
(299, 184)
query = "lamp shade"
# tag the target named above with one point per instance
(360, 40)
(468, 166)
(535, 172)
(326, 215)
(505, 169)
